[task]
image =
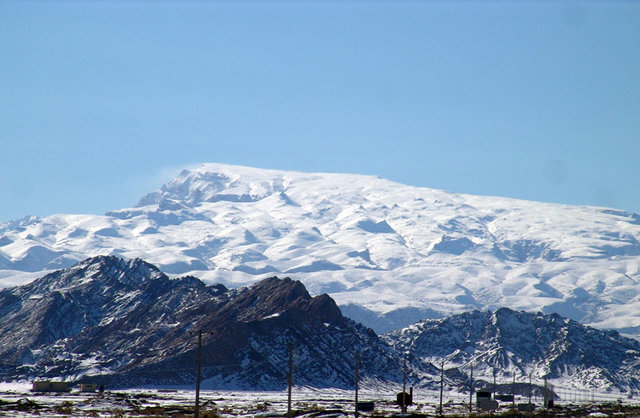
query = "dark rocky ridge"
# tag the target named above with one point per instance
(125, 323)
(546, 345)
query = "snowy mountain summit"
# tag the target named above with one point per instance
(388, 253)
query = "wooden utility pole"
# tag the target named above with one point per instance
(198, 376)
(357, 377)
(529, 388)
(441, 385)
(290, 380)
(513, 390)
(471, 387)
(494, 384)
(197, 412)
(404, 385)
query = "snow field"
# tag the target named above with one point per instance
(362, 239)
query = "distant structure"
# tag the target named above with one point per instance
(484, 401)
(408, 398)
(88, 387)
(48, 386)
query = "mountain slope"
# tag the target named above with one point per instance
(509, 342)
(394, 253)
(124, 323)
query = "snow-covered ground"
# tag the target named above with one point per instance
(394, 253)
(307, 401)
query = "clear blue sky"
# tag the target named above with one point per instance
(101, 101)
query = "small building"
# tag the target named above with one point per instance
(484, 401)
(49, 386)
(88, 387)
(408, 398)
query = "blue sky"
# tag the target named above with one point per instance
(101, 102)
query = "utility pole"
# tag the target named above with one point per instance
(290, 380)
(494, 384)
(197, 412)
(471, 387)
(441, 385)
(529, 388)
(198, 376)
(357, 377)
(404, 386)
(513, 391)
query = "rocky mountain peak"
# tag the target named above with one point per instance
(105, 271)
(217, 182)
(509, 341)
(269, 298)
(280, 292)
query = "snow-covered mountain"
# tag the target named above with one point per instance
(521, 343)
(388, 253)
